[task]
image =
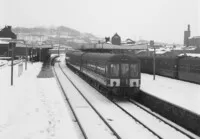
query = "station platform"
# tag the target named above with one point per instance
(180, 93)
(34, 106)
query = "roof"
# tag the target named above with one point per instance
(3, 42)
(108, 57)
(190, 54)
(102, 57)
(124, 47)
(7, 32)
(194, 37)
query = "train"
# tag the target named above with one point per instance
(184, 67)
(115, 75)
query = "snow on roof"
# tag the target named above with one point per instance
(195, 37)
(129, 47)
(160, 50)
(190, 48)
(3, 42)
(190, 54)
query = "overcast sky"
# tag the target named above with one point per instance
(160, 20)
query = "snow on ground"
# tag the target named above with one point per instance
(3, 62)
(93, 126)
(33, 108)
(124, 125)
(180, 93)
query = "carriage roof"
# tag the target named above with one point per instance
(105, 57)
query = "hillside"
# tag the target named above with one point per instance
(54, 35)
(62, 30)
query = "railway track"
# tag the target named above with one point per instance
(181, 133)
(114, 128)
(69, 104)
(124, 127)
(85, 130)
(165, 121)
(136, 111)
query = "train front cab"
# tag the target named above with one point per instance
(124, 78)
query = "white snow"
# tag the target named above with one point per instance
(191, 54)
(93, 126)
(161, 50)
(33, 108)
(180, 93)
(124, 125)
(159, 127)
(3, 62)
(3, 42)
(164, 130)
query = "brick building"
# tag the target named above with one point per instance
(6, 33)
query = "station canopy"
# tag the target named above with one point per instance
(117, 47)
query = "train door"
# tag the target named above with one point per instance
(124, 74)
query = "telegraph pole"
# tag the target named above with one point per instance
(40, 48)
(154, 58)
(26, 56)
(12, 51)
(58, 42)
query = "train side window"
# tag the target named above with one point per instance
(134, 70)
(106, 70)
(195, 68)
(114, 70)
(101, 69)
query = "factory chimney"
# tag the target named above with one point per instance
(186, 36)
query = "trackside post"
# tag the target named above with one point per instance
(154, 58)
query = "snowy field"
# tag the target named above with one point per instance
(180, 93)
(33, 108)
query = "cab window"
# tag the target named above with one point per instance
(114, 70)
(124, 70)
(134, 70)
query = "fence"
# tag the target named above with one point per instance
(20, 69)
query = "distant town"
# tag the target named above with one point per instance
(63, 36)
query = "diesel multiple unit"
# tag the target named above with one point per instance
(112, 74)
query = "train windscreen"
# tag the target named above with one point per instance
(114, 70)
(134, 70)
(124, 70)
